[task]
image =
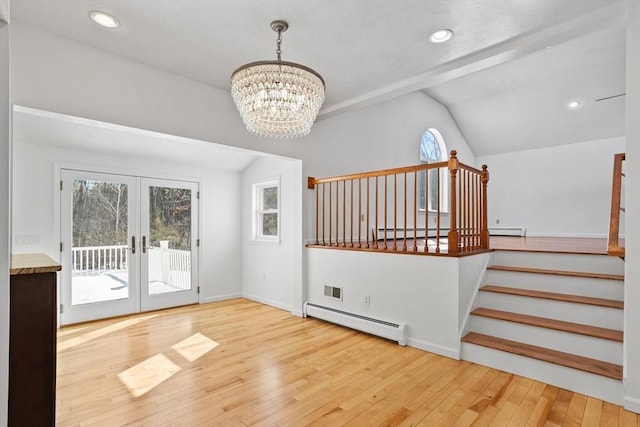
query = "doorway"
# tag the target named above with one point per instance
(128, 244)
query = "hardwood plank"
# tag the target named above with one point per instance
(575, 411)
(552, 356)
(271, 368)
(618, 277)
(543, 322)
(579, 299)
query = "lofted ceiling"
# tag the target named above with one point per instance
(504, 88)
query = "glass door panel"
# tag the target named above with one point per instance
(169, 211)
(98, 226)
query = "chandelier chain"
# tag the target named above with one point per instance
(279, 44)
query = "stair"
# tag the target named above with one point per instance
(553, 317)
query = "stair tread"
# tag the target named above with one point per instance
(543, 322)
(586, 364)
(590, 275)
(602, 302)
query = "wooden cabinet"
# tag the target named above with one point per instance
(32, 341)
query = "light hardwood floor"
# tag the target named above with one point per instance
(242, 363)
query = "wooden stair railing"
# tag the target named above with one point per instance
(389, 210)
(615, 245)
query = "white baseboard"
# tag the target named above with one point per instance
(216, 298)
(449, 352)
(298, 313)
(632, 404)
(270, 302)
(577, 235)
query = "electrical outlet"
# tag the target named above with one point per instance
(367, 301)
(497, 221)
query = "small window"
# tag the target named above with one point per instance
(433, 150)
(267, 210)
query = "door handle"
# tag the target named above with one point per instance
(133, 244)
(144, 244)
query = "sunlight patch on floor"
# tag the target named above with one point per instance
(72, 342)
(148, 374)
(194, 347)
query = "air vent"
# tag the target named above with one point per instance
(333, 292)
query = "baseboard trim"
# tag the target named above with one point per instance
(449, 352)
(206, 300)
(577, 235)
(632, 404)
(270, 302)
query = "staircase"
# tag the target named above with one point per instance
(553, 317)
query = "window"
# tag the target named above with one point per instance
(433, 150)
(267, 210)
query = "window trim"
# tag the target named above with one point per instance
(444, 175)
(258, 212)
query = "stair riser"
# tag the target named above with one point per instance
(597, 288)
(555, 261)
(594, 348)
(603, 388)
(602, 317)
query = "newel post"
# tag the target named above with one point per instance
(454, 237)
(311, 185)
(484, 231)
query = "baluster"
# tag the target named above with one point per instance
(360, 212)
(344, 213)
(438, 216)
(395, 211)
(453, 211)
(351, 213)
(323, 212)
(317, 191)
(375, 235)
(415, 211)
(368, 216)
(386, 222)
(484, 233)
(330, 211)
(426, 209)
(404, 243)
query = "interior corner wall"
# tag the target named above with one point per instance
(5, 210)
(562, 191)
(267, 273)
(631, 373)
(33, 207)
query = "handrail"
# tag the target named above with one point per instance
(443, 204)
(615, 245)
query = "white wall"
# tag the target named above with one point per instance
(555, 191)
(430, 294)
(5, 209)
(632, 267)
(220, 250)
(267, 266)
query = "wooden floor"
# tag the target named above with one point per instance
(242, 363)
(550, 244)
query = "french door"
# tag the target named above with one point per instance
(128, 244)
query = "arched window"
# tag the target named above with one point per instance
(433, 150)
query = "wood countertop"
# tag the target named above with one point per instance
(33, 263)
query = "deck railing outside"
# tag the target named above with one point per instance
(402, 209)
(170, 266)
(616, 220)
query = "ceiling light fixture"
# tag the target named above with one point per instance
(574, 104)
(104, 19)
(441, 36)
(277, 98)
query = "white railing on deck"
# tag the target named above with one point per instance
(170, 266)
(91, 259)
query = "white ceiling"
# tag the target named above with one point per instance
(32, 126)
(371, 50)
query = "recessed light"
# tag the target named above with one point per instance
(574, 104)
(441, 36)
(104, 19)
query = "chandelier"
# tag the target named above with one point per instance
(277, 98)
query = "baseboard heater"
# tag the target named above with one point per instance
(508, 231)
(381, 328)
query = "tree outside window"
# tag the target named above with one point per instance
(267, 220)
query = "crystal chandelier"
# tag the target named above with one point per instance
(277, 98)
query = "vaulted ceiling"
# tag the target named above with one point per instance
(506, 75)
